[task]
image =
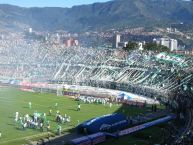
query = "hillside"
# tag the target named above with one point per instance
(98, 15)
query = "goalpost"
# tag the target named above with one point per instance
(59, 91)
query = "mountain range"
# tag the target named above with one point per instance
(97, 16)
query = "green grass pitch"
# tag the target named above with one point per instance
(13, 100)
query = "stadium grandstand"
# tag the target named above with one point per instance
(116, 69)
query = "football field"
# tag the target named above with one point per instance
(13, 100)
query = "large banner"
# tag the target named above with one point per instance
(173, 58)
(146, 125)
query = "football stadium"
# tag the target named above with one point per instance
(96, 72)
(84, 96)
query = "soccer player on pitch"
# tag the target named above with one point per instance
(30, 105)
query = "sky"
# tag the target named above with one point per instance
(49, 3)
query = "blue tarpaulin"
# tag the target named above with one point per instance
(106, 123)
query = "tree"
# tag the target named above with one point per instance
(131, 46)
(156, 47)
(147, 47)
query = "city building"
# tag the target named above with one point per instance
(30, 30)
(71, 42)
(122, 44)
(170, 43)
(117, 40)
(173, 45)
(117, 43)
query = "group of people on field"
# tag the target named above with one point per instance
(96, 100)
(40, 121)
(35, 121)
